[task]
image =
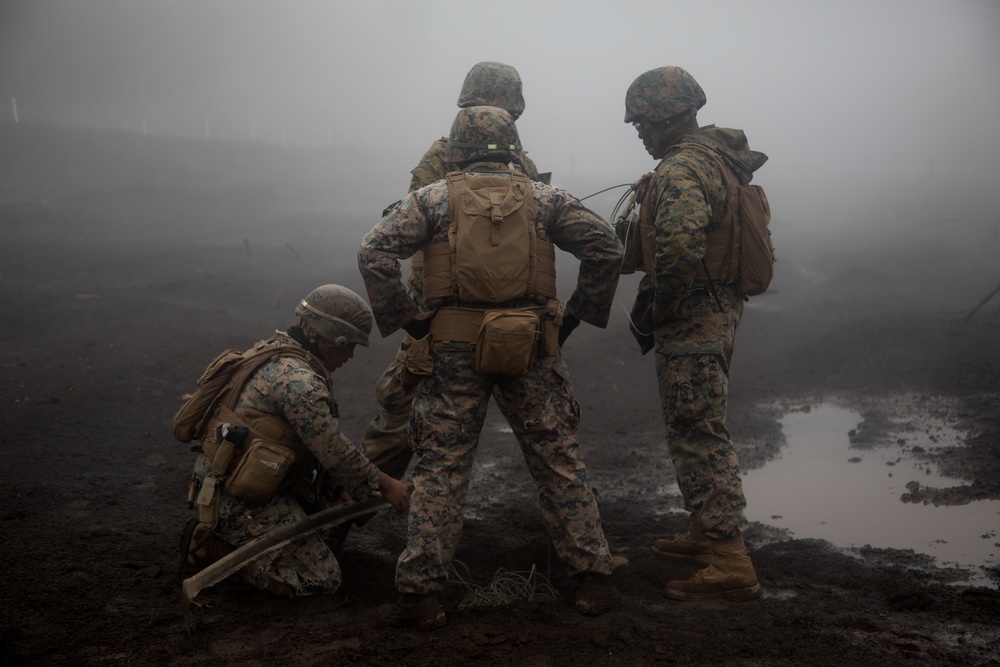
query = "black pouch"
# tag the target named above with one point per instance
(641, 319)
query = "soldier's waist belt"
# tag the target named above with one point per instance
(453, 324)
(456, 324)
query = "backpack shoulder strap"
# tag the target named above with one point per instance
(729, 179)
(253, 359)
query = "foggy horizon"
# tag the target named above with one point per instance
(856, 104)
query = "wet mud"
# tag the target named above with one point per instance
(126, 269)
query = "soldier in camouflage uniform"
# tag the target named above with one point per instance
(331, 321)
(691, 320)
(451, 401)
(386, 441)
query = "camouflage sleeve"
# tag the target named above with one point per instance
(573, 227)
(682, 216)
(433, 165)
(289, 388)
(405, 228)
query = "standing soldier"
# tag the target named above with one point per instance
(494, 326)
(386, 441)
(690, 314)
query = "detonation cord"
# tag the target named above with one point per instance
(623, 185)
(628, 201)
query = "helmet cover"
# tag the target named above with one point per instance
(493, 84)
(662, 93)
(337, 315)
(483, 133)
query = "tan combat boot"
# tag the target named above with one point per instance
(692, 546)
(595, 594)
(730, 576)
(420, 611)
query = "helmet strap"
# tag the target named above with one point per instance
(299, 336)
(672, 129)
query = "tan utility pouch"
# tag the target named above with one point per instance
(418, 359)
(506, 342)
(261, 472)
(552, 319)
(208, 501)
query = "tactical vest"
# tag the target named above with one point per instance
(261, 426)
(494, 252)
(722, 254)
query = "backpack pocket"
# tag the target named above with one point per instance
(506, 342)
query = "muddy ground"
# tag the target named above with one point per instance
(129, 262)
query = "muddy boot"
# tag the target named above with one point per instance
(730, 576)
(336, 537)
(200, 547)
(595, 594)
(413, 610)
(692, 546)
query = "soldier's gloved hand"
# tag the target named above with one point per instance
(570, 322)
(417, 328)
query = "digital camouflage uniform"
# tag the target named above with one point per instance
(386, 441)
(450, 405)
(694, 329)
(288, 387)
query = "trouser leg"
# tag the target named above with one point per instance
(304, 567)
(446, 420)
(544, 415)
(694, 392)
(386, 441)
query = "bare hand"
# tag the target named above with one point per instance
(395, 492)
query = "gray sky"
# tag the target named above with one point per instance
(859, 100)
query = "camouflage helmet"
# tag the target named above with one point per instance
(483, 134)
(662, 93)
(493, 84)
(337, 315)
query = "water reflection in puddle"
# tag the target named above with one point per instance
(823, 488)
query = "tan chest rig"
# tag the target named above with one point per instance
(268, 457)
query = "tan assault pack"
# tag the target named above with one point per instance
(739, 248)
(494, 252)
(221, 384)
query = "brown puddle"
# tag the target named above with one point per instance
(823, 488)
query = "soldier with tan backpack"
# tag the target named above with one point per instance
(701, 237)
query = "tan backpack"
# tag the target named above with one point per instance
(494, 252)
(221, 383)
(740, 249)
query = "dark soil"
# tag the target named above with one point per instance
(129, 262)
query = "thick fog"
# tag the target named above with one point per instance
(863, 107)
